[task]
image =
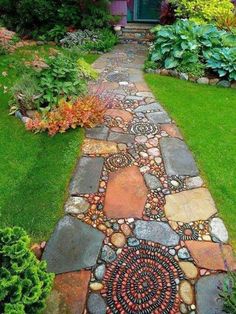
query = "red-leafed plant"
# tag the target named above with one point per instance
(87, 111)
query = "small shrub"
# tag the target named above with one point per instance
(61, 79)
(24, 281)
(202, 10)
(56, 33)
(96, 40)
(87, 111)
(87, 71)
(228, 293)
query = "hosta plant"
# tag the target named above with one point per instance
(87, 111)
(24, 281)
(222, 61)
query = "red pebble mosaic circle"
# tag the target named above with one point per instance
(143, 280)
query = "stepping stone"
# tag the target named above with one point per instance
(72, 288)
(207, 294)
(152, 182)
(121, 138)
(158, 117)
(145, 94)
(96, 304)
(126, 116)
(97, 147)
(99, 133)
(177, 158)
(149, 107)
(126, 194)
(194, 182)
(73, 245)
(87, 176)
(154, 231)
(212, 255)
(218, 230)
(190, 206)
(172, 130)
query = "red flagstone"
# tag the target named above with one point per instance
(73, 289)
(172, 130)
(125, 115)
(211, 255)
(126, 194)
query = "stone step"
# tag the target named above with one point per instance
(135, 32)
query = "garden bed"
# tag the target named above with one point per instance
(34, 177)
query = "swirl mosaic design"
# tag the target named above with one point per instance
(117, 161)
(143, 280)
(143, 128)
(187, 232)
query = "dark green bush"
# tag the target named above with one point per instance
(24, 281)
(36, 17)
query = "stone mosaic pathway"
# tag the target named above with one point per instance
(141, 232)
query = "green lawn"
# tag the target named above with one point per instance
(206, 116)
(35, 169)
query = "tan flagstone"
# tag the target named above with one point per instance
(190, 206)
(92, 147)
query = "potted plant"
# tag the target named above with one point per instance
(118, 8)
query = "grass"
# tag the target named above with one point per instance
(206, 116)
(35, 169)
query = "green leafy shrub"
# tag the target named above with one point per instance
(61, 79)
(202, 10)
(187, 46)
(228, 293)
(64, 76)
(24, 281)
(223, 61)
(95, 40)
(56, 33)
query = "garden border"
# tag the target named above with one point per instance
(199, 80)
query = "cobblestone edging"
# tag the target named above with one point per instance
(201, 80)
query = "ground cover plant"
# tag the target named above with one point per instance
(100, 40)
(192, 48)
(35, 169)
(25, 283)
(206, 116)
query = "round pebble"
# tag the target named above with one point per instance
(118, 239)
(126, 229)
(96, 286)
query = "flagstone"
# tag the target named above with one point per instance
(125, 115)
(208, 294)
(121, 137)
(100, 133)
(172, 130)
(97, 147)
(87, 176)
(150, 107)
(177, 158)
(96, 304)
(158, 117)
(155, 231)
(72, 288)
(74, 245)
(126, 194)
(212, 255)
(190, 206)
